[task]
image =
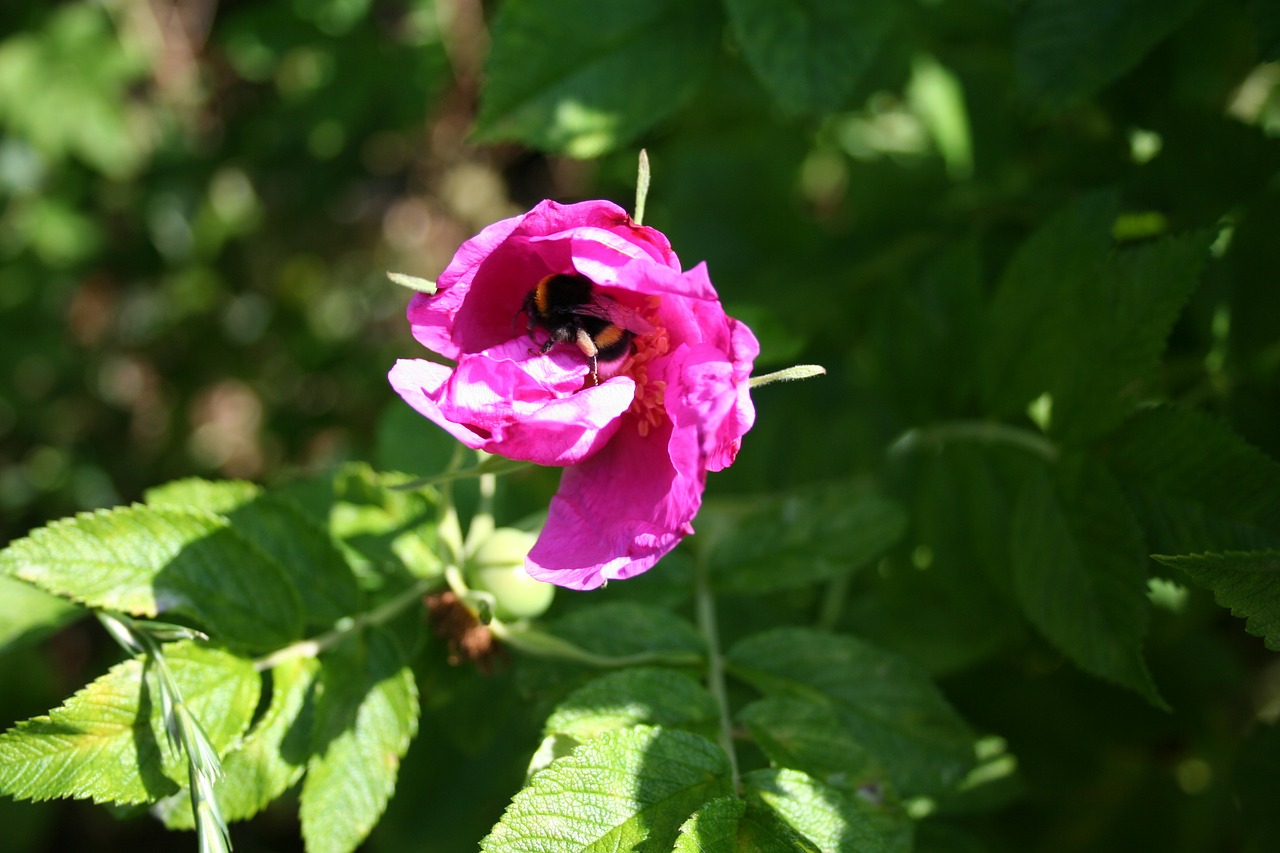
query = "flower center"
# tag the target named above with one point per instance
(647, 408)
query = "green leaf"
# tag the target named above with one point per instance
(946, 600)
(584, 77)
(1067, 50)
(810, 54)
(107, 742)
(808, 736)
(802, 537)
(1083, 322)
(311, 561)
(366, 715)
(1079, 571)
(1196, 484)
(1246, 581)
(890, 708)
(625, 790)
(28, 612)
(831, 819)
(267, 762)
(729, 825)
(148, 562)
(633, 697)
(383, 532)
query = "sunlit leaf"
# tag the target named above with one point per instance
(268, 760)
(310, 559)
(632, 697)
(729, 825)
(827, 816)
(107, 742)
(624, 790)
(148, 562)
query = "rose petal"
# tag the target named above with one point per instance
(533, 413)
(619, 512)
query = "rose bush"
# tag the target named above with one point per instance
(637, 447)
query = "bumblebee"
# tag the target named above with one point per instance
(571, 309)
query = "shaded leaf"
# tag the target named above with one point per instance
(890, 708)
(946, 599)
(804, 536)
(366, 715)
(1067, 50)
(810, 54)
(624, 790)
(584, 77)
(1195, 483)
(107, 742)
(1246, 581)
(808, 736)
(1079, 571)
(148, 562)
(1083, 322)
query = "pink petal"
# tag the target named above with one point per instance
(530, 409)
(619, 512)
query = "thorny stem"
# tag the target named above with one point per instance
(706, 606)
(983, 431)
(379, 615)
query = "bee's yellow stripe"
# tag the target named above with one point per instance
(540, 295)
(609, 335)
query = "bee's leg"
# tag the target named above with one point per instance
(589, 349)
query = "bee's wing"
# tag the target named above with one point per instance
(615, 312)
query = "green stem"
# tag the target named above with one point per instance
(988, 432)
(540, 644)
(379, 615)
(706, 607)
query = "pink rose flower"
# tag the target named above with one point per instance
(636, 448)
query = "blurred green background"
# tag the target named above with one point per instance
(199, 199)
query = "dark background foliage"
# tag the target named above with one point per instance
(958, 208)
